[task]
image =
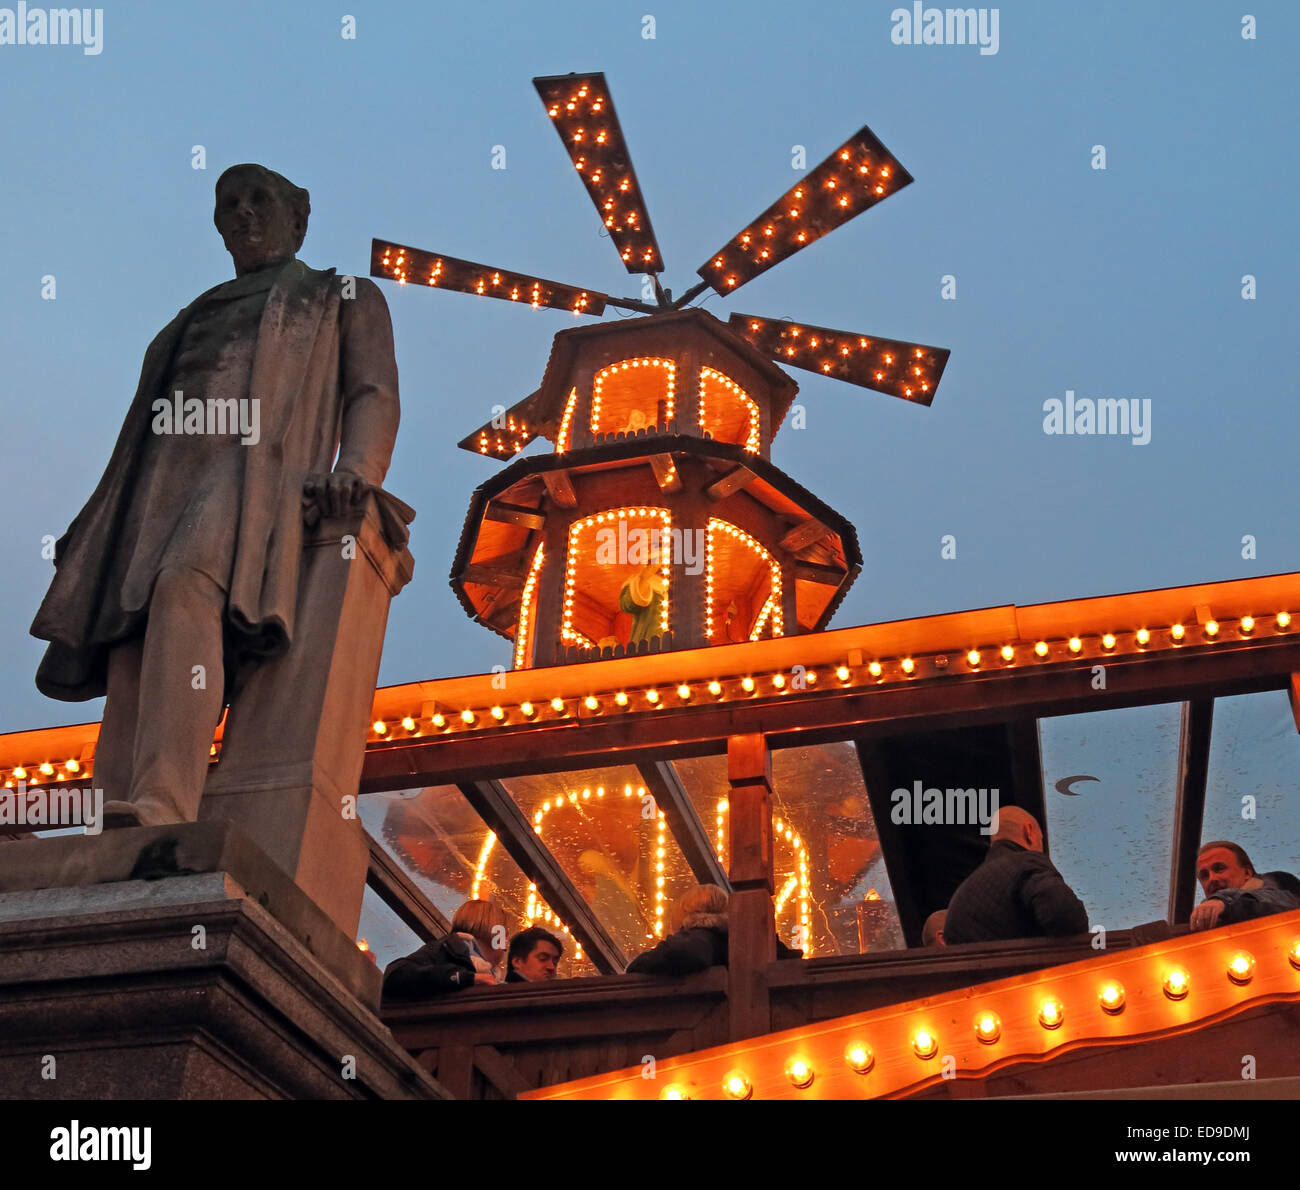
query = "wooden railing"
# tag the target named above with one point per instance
(494, 1043)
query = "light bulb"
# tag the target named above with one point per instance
(860, 1058)
(800, 1073)
(1050, 1014)
(1176, 984)
(1112, 998)
(925, 1044)
(737, 1086)
(988, 1028)
(1242, 967)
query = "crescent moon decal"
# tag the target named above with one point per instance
(1063, 785)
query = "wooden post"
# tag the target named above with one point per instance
(750, 917)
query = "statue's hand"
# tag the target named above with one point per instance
(332, 495)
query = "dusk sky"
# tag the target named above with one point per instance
(1125, 282)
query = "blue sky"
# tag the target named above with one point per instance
(1117, 283)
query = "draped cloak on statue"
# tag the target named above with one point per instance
(325, 376)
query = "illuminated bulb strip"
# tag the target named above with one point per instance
(483, 853)
(1039, 1016)
(708, 376)
(622, 366)
(566, 423)
(1145, 642)
(526, 606)
(771, 608)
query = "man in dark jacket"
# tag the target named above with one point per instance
(533, 957)
(1233, 890)
(1016, 892)
(701, 942)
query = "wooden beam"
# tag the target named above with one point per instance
(670, 795)
(559, 485)
(493, 576)
(733, 481)
(1189, 804)
(832, 576)
(911, 913)
(1294, 691)
(493, 803)
(1027, 770)
(666, 475)
(514, 514)
(402, 895)
(751, 919)
(500, 1071)
(926, 705)
(803, 535)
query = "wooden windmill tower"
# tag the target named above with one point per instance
(659, 521)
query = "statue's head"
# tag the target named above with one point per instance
(262, 216)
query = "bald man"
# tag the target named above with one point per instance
(932, 931)
(1016, 892)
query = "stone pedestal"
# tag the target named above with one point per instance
(295, 738)
(181, 987)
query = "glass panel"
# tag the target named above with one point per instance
(606, 835)
(825, 822)
(1255, 752)
(441, 843)
(1111, 837)
(381, 933)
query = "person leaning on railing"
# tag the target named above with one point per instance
(1234, 891)
(701, 939)
(466, 957)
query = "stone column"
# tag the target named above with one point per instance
(295, 737)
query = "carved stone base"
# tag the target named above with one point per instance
(180, 988)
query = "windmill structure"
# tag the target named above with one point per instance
(659, 521)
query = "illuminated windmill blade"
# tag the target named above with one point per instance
(582, 111)
(415, 266)
(505, 435)
(907, 370)
(859, 174)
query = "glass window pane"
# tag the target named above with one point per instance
(820, 801)
(1111, 838)
(1255, 753)
(386, 936)
(439, 841)
(615, 846)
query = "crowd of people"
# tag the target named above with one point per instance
(1018, 893)
(476, 947)
(1015, 893)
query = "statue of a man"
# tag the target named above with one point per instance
(182, 570)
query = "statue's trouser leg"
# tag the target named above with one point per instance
(178, 676)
